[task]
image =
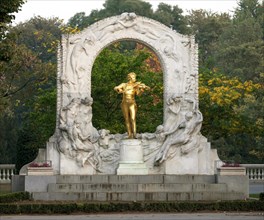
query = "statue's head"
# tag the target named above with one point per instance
(188, 115)
(159, 129)
(131, 77)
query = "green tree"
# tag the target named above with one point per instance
(138, 6)
(172, 16)
(240, 49)
(27, 85)
(8, 139)
(25, 151)
(41, 36)
(207, 27)
(80, 21)
(16, 72)
(111, 8)
(7, 10)
(110, 69)
(17, 84)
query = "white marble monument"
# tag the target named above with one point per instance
(177, 146)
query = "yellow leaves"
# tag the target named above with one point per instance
(203, 90)
(224, 91)
(70, 30)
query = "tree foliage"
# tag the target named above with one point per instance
(240, 49)
(232, 115)
(41, 36)
(231, 77)
(110, 69)
(207, 27)
(172, 16)
(7, 10)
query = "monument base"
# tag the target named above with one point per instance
(199, 161)
(131, 158)
(125, 188)
(132, 168)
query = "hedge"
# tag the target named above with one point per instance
(261, 196)
(14, 197)
(68, 208)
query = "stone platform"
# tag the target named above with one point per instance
(133, 187)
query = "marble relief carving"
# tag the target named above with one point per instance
(80, 141)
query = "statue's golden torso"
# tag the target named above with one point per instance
(129, 93)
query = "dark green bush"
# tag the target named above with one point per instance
(14, 197)
(261, 196)
(67, 208)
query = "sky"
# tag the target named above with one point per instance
(65, 9)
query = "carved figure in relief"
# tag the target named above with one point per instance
(173, 117)
(158, 135)
(78, 62)
(109, 151)
(151, 142)
(78, 132)
(168, 46)
(126, 20)
(147, 31)
(128, 105)
(184, 134)
(190, 84)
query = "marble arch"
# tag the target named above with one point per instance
(178, 54)
(78, 148)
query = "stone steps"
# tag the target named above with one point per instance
(128, 188)
(135, 179)
(136, 196)
(133, 187)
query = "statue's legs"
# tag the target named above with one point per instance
(132, 114)
(129, 111)
(125, 110)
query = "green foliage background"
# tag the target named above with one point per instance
(231, 53)
(110, 69)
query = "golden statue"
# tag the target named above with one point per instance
(128, 105)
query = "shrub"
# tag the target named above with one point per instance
(14, 197)
(261, 196)
(67, 208)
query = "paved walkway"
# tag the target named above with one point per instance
(141, 216)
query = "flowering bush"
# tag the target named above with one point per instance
(41, 164)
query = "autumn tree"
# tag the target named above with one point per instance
(41, 36)
(18, 85)
(228, 123)
(27, 85)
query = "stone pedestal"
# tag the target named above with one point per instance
(40, 171)
(69, 166)
(182, 165)
(231, 171)
(131, 158)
